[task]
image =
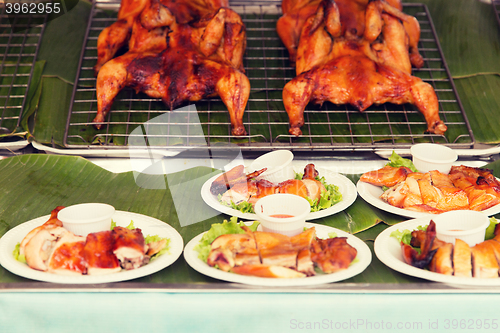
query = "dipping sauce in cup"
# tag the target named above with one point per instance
(86, 218)
(282, 213)
(467, 225)
(431, 156)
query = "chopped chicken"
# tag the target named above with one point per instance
(129, 247)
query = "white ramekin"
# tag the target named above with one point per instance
(430, 156)
(86, 218)
(282, 204)
(468, 225)
(278, 164)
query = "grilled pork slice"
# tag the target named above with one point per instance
(441, 262)
(67, 257)
(484, 263)
(302, 242)
(98, 253)
(275, 249)
(230, 250)
(39, 248)
(267, 271)
(129, 247)
(462, 259)
(332, 254)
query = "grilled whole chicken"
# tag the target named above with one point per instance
(354, 52)
(178, 61)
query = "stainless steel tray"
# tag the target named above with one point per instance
(266, 62)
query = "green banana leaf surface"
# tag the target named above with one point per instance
(33, 185)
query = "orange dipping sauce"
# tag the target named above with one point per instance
(281, 216)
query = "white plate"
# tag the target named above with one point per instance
(346, 187)
(363, 259)
(148, 225)
(388, 251)
(371, 194)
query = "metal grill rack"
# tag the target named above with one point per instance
(496, 9)
(20, 37)
(268, 68)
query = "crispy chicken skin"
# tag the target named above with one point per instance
(178, 61)
(51, 223)
(98, 253)
(354, 52)
(129, 247)
(67, 257)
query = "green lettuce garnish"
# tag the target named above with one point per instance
(405, 235)
(491, 229)
(397, 161)
(217, 229)
(244, 206)
(17, 255)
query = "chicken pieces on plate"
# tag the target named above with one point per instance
(435, 192)
(353, 52)
(271, 255)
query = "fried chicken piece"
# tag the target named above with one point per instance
(129, 247)
(332, 254)
(98, 253)
(67, 257)
(268, 271)
(302, 242)
(52, 222)
(230, 250)
(386, 176)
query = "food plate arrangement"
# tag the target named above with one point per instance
(148, 225)
(362, 261)
(388, 251)
(346, 187)
(371, 194)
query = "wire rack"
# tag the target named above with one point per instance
(496, 9)
(20, 37)
(267, 66)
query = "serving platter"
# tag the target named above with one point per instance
(346, 187)
(148, 225)
(371, 194)
(362, 261)
(388, 251)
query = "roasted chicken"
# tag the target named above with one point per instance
(353, 52)
(272, 255)
(177, 61)
(435, 192)
(52, 248)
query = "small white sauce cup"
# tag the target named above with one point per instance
(278, 164)
(282, 204)
(468, 225)
(430, 156)
(86, 218)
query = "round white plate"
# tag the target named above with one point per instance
(388, 251)
(148, 225)
(346, 187)
(371, 194)
(363, 259)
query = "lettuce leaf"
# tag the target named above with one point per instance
(405, 235)
(397, 161)
(491, 229)
(217, 229)
(19, 257)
